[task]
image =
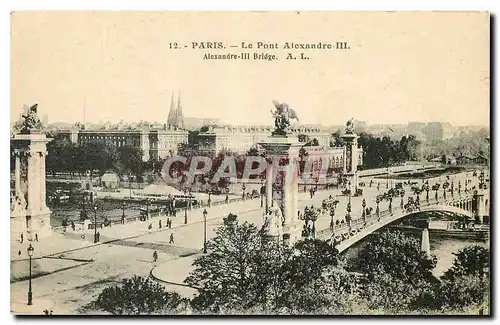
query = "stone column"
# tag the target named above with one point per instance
(31, 182)
(269, 184)
(426, 246)
(295, 204)
(18, 174)
(43, 203)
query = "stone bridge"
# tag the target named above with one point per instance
(345, 235)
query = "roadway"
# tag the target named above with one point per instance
(129, 248)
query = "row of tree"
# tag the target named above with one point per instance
(245, 273)
(382, 152)
(96, 157)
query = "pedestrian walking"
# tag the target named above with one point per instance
(159, 224)
(169, 223)
(36, 237)
(171, 238)
(155, 256)
(22, 238)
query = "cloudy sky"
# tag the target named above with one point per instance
(400, 66)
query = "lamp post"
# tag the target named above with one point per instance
(363, 204)
(402, 204)
(262, 188)
(95, 224)
(186, 215)
(205, 231)
(30, 293)
(349, 212)
(387, 183)
(209, 198)
(427, 195)
(390, 204)
(123, 212)
(378, 209)
(147, 208)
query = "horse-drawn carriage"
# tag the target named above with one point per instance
(329, 203)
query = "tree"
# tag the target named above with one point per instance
(130, 161)
(61, 156)
(226, 276)
(243, 270)
(137, 296)
(470, 260)
(465, 283)
(398, 274)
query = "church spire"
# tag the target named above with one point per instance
(179, 107)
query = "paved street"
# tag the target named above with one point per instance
(130, 247)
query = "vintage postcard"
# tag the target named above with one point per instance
(250, 163)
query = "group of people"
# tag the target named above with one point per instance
(168, 223)
(22, 238)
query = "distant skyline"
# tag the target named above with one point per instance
(401, 68)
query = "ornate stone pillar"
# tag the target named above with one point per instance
(32, 193)
(269, 184)
(18, 173)
(43, 199)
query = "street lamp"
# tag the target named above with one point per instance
(95, 224)
(147, 208)
(30, 293)
(205, 231)
(363, 204)
(186, 214)
(378, 209)
(387, 183)
(123, 212)
(261, 193)
(349, 212)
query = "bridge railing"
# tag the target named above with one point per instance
(360, 223)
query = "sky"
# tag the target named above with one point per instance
(112, 66)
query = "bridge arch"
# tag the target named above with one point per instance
(373, 224)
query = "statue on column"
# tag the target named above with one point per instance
(30, 121)
(18, 206)
(282, 117)
(349, 126)
(273, 220)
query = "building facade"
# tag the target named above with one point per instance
(154, 143)
(240, 139)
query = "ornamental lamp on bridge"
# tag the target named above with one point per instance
(363, 204)
(332, 215)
